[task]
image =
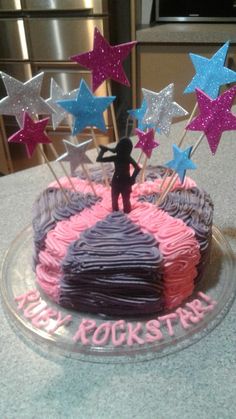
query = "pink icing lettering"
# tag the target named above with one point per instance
(85, 327)
(42, 319)
(101, 334)
(167, 319)
(153, 326)
(198, 309)
(117, 341)
(207, 299)
(31, 310)
(27, 297)
(133, 334)
(185, 316)
(59, 322)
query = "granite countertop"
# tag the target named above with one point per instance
(197, 382)
(194, 33)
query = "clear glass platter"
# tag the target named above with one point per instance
(218, 283)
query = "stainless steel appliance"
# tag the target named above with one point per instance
(195, 11)
(41, 35)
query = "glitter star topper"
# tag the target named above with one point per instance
(161, 109)
(211, 73)
(56, 93)
(146, 141)
(139, 114)
(23, 97)
(215, 116)
(75, 154)
(181, 161)
(105, 61)
(31, 134)
(87, 109)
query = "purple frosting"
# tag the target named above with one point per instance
(51, 207)
(195, 207)
(113, 269)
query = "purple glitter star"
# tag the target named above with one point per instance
(105, 61)
(31, 134)
(146, 141)
(215, 116)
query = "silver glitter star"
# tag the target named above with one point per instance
(75, 154)
(56, 93)
(23, 97)
(161, 109)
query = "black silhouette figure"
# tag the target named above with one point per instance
(121, 181)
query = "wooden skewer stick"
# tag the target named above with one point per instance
(164, 178)
(97, 147)
(86, 172)
(142, 175)
(189, 120)
(140, 157)
(62, 166)
(113, 116)
(54, 174)
(168, 188)
(170, 184)
(127, 125)
(197, 143)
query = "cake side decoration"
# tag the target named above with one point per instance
(88, 332)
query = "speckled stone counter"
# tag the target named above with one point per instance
(194, 33)
(198, 382)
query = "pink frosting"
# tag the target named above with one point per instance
(177, 241)
(179, 247)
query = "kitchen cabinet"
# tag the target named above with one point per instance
(162, 64)
(163, 54)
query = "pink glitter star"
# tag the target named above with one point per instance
(146, 141)
(215, 116)
(105, 61)
(31, 134)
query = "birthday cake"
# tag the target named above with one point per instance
(131, 245)
(94, 260)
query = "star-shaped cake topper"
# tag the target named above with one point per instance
(139, 114)
(181, 161)
(105, 61)
(146, 141)
(215, 116)
(56, 94)
(161, 109)
(75, 154)
(87, 109)
(23, 97)
(211, 73)
(31, 134)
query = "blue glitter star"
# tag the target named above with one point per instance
(211, 73)
(181, 161)
(87, 109)
(139, 115)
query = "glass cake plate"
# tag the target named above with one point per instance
(39, 318)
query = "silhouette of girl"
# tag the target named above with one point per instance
(121, 181)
